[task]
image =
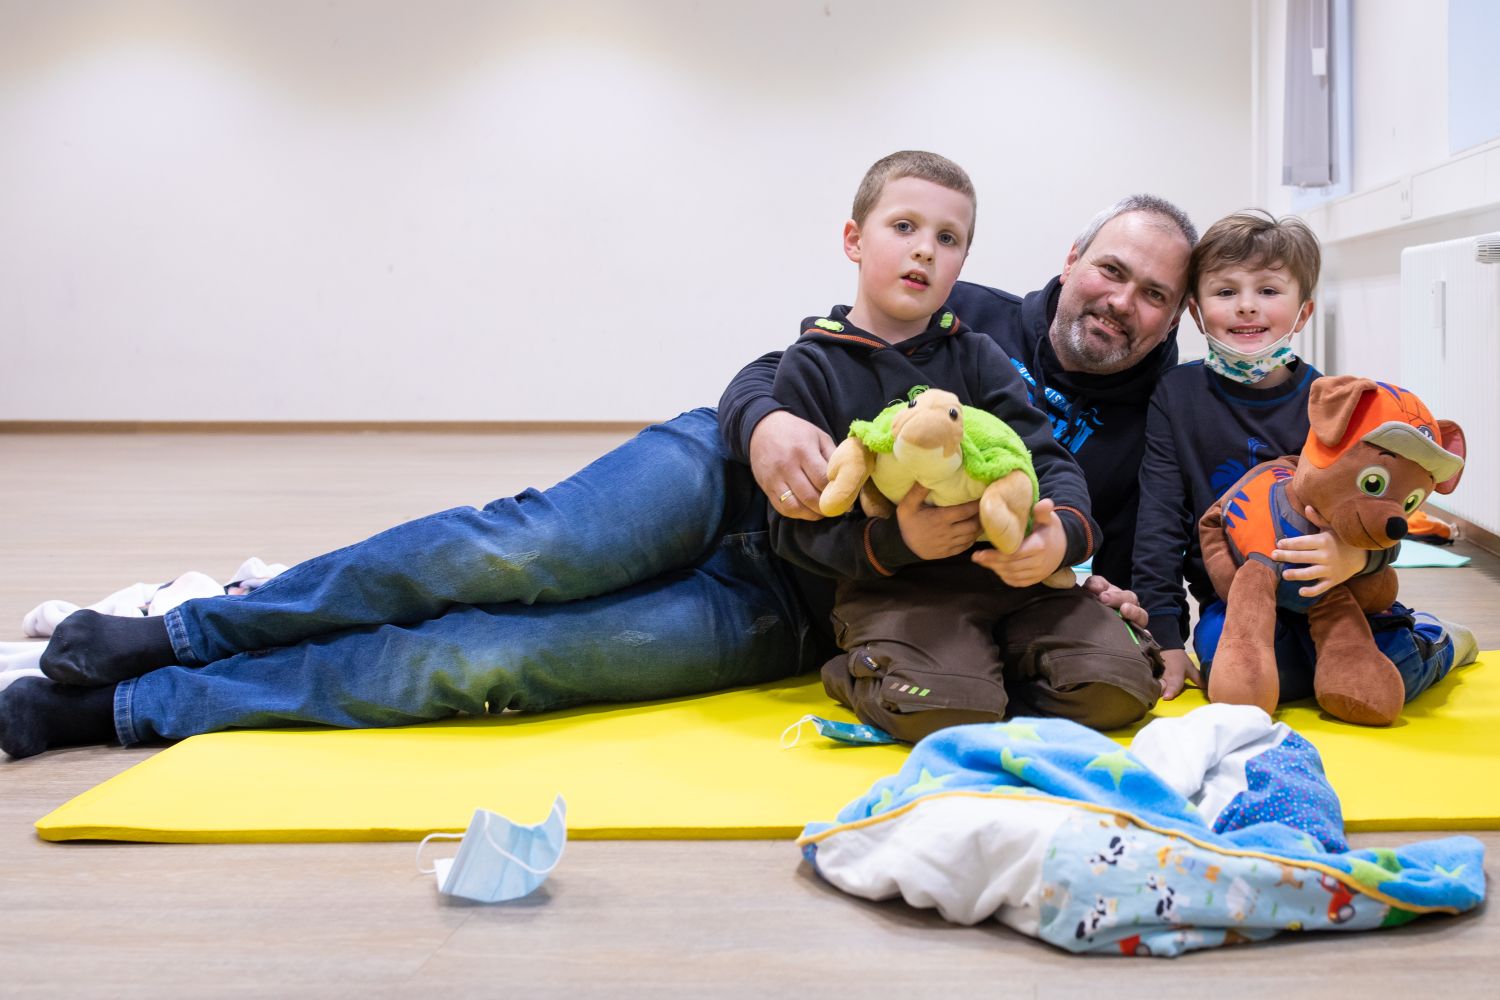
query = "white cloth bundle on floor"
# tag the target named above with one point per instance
(21, 659)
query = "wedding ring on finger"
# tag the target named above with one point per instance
(785, 496)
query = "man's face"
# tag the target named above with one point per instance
(1121, 295)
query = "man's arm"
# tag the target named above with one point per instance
(784, 451)
(746, 401)
(855, 547)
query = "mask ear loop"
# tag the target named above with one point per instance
(795, 729)
(535, 871)
(423, 843)
(490, 837)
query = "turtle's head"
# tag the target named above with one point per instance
(929, 433)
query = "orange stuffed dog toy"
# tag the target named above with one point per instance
(1374, 453)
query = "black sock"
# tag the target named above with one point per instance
(89, 649)
(37, 714)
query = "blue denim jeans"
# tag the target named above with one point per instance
(1422, 653)
(646, 575)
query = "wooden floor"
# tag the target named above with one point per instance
(83, 515)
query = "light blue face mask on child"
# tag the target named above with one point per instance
(497, 859)
(1248, 368)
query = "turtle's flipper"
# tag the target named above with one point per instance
(848, 469)
(1005, 509)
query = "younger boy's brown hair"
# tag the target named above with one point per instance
(912, 163)
(1255, 238)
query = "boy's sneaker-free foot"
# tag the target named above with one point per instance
(1465, 646)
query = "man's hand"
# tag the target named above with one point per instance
(788, 453)
(1122, 601)
(936, 532)
(1179, 668)
(1325, 560)
(1039, 554)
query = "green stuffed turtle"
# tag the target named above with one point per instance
(958, 452)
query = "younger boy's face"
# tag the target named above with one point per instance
(910, 250)
(1249, 308)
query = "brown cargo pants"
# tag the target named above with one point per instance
(945, 644)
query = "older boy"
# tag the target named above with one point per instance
(919, 620)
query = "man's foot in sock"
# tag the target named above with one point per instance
(37, 714)
(89, 649)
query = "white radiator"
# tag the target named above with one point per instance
(1450, 356)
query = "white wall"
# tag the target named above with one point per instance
(1407, 187)
(581, 209)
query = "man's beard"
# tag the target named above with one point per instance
(1077, 350)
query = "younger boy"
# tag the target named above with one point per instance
(1250, 282)
(932, 638)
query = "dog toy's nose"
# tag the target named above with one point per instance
(1395, 528)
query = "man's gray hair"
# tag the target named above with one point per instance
(1148, 203)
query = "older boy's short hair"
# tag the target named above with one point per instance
(1256, 238)
(912, 163)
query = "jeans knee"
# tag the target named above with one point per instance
(695, 433)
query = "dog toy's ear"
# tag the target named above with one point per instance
(1331, 403)
(1453, 441)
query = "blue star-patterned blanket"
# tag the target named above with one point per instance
(1216, 828)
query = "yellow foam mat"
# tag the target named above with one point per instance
(698, 768)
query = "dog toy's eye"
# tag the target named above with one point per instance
(1374, 481)
(1414, 500)
(952, 413)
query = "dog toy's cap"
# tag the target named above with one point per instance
(1392, 418)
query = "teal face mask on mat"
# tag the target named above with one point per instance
(843, 732)
(497, 859)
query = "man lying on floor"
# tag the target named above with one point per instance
(611, 585)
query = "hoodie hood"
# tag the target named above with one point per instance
(835, 328)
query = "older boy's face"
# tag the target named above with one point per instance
(1121, 296)
(910, 250)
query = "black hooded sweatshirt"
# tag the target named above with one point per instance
(837, 373)
(1099, 419)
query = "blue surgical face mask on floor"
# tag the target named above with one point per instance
(497, 859)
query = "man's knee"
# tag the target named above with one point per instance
(694, 433)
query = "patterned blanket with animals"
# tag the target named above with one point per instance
(1216, 828)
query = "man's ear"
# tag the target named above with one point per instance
(1191, 307)
(851, 241)
(1073, 256)
(1304, 315)
(1330, 405)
